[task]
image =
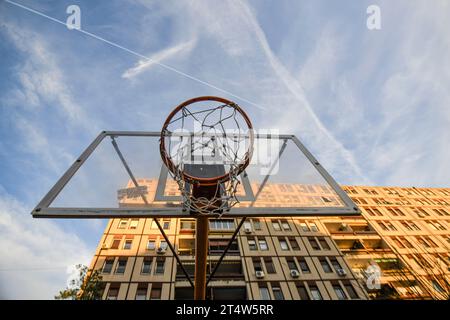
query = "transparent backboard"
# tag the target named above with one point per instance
(121, 174)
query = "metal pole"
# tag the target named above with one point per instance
(201, 254)
(201, 239)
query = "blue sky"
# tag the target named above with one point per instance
(372, 106)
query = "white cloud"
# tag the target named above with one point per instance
(306, 120)
(42, 80)
(410, 145)
(182, 48)
(35, 253)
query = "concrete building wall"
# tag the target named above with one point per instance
(401, 230)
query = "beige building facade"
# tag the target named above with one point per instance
(398, 248)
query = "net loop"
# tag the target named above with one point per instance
(207, 142)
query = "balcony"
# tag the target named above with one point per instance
(186, 247)
(216, 247)
(337, 228)
(362, 247)
(227, 271)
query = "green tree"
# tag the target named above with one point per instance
(87, 285)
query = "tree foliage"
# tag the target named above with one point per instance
(87, 285)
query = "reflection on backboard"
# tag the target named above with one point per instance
(121, 174)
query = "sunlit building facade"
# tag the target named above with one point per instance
(397, 249)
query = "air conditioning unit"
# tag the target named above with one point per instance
(248, 229)
(160, 250)
(259, 274)
(341, 272)
(295, 273)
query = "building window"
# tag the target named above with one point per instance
(141, 293)
(437, 286)
(163, 244)
(335, 264)
(225, 224)
(378, 212)
(406, 242)
(423, 242)
(256, 224)
(283, 244)
(121, 266)
(276, 225)
(406, 226)
(313, 227)
(391, 211)
(263, 245)
(277, 293)
(391, 226)
(447, 239)
(304, 227)
(398, 242)
(285, 225)
(187, 225)
(314, 244)
(127, 244)
(303, 265)
(325, 265)
(339, 292)
(115, 244)
(113, 291)
(315, 292)
(151, 245)
(302, 292)
(155, 294)
(351, 291)
(122, 224)
(217, 247)
(430, 241)
(291, 264)
(134, 223)
(166, 224)
(270, 268)
(147, 265)
(324, 244)
(383, 226)
(252, 244)
(107, 266)
(264, 293)
(247, 225)
(257, 264)
(160, 262)
(432, 225)
(437, 225)
(294, 244)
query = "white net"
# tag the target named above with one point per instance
(207, 143)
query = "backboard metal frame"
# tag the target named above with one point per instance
(44, 209)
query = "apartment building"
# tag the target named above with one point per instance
(404, 232)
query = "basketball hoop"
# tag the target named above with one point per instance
(206, 143)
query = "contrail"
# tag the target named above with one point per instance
(165, 66)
